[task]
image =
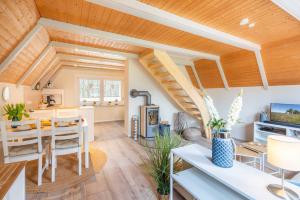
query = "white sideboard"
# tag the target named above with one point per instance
(207, 181)
(262, 130)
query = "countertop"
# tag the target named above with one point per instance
(8, 175)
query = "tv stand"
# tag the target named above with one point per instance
(262, 130)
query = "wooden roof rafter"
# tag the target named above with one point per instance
(130, 40)
(87, 59)
(89, 65)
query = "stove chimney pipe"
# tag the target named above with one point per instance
(135, 93)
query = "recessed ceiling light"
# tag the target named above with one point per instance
(244, 21)
(251, 25)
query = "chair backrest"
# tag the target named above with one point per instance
(43, 114)
(17, 137)
(68, 112)
(66, 128)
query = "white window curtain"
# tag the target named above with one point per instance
(112, 90)
(89, 90)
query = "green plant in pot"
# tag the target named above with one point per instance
(159, 156)
(15, 112)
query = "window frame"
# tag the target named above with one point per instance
(102, 80)
(121, 89)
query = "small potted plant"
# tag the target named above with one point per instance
(159, 156)
(222, 144)
(15, 112)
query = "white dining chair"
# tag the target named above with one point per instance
(24, 144)
(66, 139)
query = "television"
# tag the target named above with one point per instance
(288, 114)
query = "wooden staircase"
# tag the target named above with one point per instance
(164, 70)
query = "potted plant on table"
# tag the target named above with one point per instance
(222, 145)
(15, 112)
(159, 156)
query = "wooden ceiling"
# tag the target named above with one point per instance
(17, 18)
(208, 73)
(68, 37)
(271, 22)
(83, 13)
(276, 31)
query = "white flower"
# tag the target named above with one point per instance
(211, 108)
(234, 111)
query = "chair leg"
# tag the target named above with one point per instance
(40, 170)
(53, 166)
(79, 162)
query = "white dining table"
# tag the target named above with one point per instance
(46, 132)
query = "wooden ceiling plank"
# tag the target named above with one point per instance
(130, 40)
(223, 76)
(34, 65)
(53, 62)
(159, 16)
(23, 44)
(261, 69)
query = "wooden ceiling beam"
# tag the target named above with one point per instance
(103, 61)
(261, 68)
(112, 54)
(223, 76)
(129, 40)
(160, 16)
(19, 48)
(89, 65)
(34, 65)
(290, 6)
(52, 63)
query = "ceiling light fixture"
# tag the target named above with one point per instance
(244, 21)
(251, 25)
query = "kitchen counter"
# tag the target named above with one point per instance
(12, 181)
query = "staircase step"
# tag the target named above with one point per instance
(147, 55)
(175, 89)
(189, 105)
(195, 112)
(162, 74)
(169, 81)
(155, 66)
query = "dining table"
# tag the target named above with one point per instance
(46, 131)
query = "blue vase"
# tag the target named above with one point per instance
(222, 152)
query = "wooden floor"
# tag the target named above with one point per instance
(123, 177)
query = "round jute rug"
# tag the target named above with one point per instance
(66, 172)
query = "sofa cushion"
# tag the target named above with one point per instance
(295, 180)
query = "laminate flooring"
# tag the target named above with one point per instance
(123, 177)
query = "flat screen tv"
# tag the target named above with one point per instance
(285, 113)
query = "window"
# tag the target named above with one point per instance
(89, 90)
(112, 90)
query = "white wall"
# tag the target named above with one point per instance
(68, 80)
(140, 79)
(16, 93)
(255, 100)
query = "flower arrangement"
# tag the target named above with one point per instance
(218, 124)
